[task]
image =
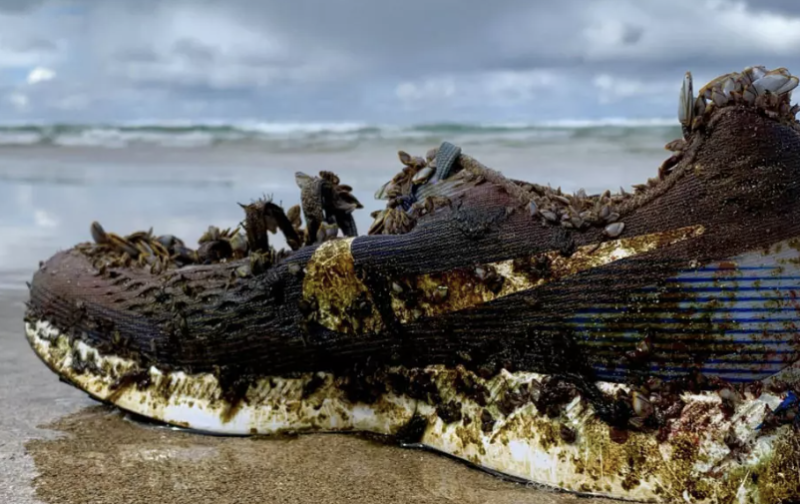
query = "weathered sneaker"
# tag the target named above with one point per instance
(638, 346)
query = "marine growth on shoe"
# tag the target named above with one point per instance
(638, 345)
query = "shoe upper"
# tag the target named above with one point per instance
(489, 273)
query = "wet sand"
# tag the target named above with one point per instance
(30, 395)
(86, 453)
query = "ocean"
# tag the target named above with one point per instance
(181, 178)
(317, 136)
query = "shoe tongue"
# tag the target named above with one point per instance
(472, 173)
(448, 187)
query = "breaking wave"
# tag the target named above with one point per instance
(283, 136)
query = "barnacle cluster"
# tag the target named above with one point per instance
(327, 205)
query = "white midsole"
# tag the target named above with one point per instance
(524, 444)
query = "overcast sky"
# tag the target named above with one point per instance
(386, 61)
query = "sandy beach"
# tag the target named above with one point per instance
(58, 446)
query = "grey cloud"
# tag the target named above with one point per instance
(445, 36)
(195, 51)
(198, 91)
(378, 28)
(136, 55)
(632, 34)
(33, 44)
(400, 39)
(16, 6)
(791, 7)
(352, 59)
(271, 61)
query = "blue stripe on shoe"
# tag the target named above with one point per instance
(740, 316)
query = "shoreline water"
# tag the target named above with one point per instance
(309, 137)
